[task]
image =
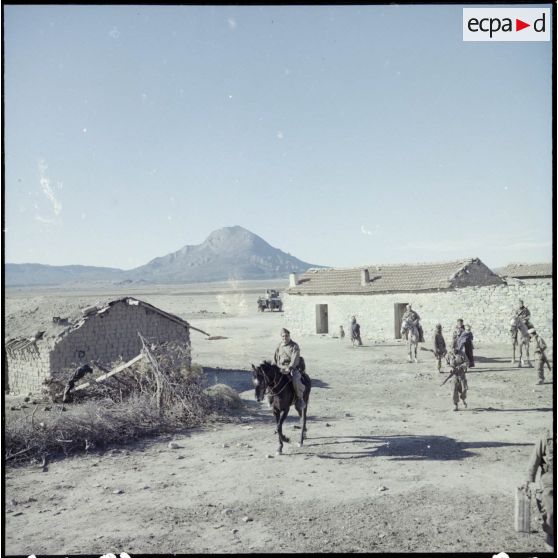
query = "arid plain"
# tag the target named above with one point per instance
(387, 466)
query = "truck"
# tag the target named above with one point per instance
(271, 301)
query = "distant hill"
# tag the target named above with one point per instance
(38, 274)
(227, 253)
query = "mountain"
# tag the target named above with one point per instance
(38, 274)
(227, 253)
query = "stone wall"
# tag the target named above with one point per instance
(488, 309)
(27, 369)
(113, 334)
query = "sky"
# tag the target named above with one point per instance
(343, 135)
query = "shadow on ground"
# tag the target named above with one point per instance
(532, 409)
(399, 448)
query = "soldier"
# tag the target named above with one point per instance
(458, 370)
(459, 329)
(355, 332)
(524, 314)
(287, 357)
(412, 316)
(465, 345)
(341, 332)
(440, 350)
(540, 350)
(542, 458)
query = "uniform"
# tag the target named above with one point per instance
(412, 316)
(458, 370)
(456, 333)
(542, 458)
(287, 356)
(541, 347)
(440, 350)
(465, 346)
(355, 332)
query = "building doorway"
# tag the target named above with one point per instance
(322, 325)
(399, 310)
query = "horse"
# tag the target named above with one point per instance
(268, 379)
(518, 326)
(409, 327)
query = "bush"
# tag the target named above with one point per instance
(223, 398)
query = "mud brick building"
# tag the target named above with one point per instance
(105, 333)
(320, 300)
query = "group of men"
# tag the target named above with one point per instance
(287, 357)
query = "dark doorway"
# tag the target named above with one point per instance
(321, 319)
(399, 310)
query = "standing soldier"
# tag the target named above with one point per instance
(540, 350)
(458, 370)
(459, 329)
(465, 345)
(287, 357)
(543, 458)
(440, 350)
(355, 332)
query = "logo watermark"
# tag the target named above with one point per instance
(506, 24)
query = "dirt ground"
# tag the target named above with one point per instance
(387, 466)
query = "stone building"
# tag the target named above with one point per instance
(105, 333)
(531, 273)
(320, 300)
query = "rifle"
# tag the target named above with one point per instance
(452, 373)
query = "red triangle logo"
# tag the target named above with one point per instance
(519, 25)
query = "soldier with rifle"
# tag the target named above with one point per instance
(540, 351)
(458, 369)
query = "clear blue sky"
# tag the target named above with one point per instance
(343, 135)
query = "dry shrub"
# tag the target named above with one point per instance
(223, 398)
(88, 425)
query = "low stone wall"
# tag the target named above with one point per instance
(26, 370)
(488, 309)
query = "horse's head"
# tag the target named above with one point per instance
(404, 326)
(261, 376)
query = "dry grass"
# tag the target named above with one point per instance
(145, 400)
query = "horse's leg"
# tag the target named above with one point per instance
(520, 358)
(409, 348)
(513, 353)
(282, 438)
(276, 413)
(416, 348)
(303, 431)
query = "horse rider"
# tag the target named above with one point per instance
(411, 316)
(523, 314)
(459, 329)
(287, 357)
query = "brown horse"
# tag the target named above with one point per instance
(268, 379)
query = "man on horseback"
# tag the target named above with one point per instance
(414, 319)
(287, 357)
(524, 314)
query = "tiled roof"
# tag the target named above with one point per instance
(527, 270)
(396, 278)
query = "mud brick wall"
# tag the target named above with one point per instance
(113, 334)
(488, 309)
(26, 370)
